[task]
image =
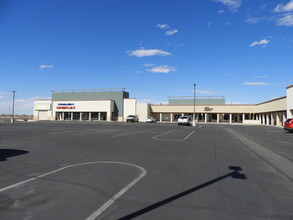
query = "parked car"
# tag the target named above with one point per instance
(150, 120)
(288, 125)
(132, 118)
(184, 120)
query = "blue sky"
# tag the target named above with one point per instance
(241, 49)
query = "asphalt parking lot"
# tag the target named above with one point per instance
(83, 170)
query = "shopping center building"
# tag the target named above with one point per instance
(114, 105)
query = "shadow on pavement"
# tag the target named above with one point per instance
(234, 174)
(6, 153)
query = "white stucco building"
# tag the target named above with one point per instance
(115, 105)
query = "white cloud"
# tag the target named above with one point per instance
(221, 12)
(263, 42)
(144, 100)
(171, 32)
(206, 92)
(22, 106)
(148, 64)
(284, 8)
(260, 76)
(1, 97)
(45, 67)
(209, 24)
(147, 53)
(233, 5)
(162, 69)
(287, 20)
(256, 20)
(163, 26)
(255, 84)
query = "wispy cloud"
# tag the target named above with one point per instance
(284, 7)
(206, 92)
(263, 42)
(221, 11)
(233, 5)
(162, 69)
(287, 20)
(148, 52)
(148, 64)
(42, 67)
(255, 84)
(163, 26)
(260, 76)
(171, 32)
(287, 16)
(22, 106)
(167, 27)
(256, 20)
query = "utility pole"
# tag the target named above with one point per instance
(194, 123)
(13, 100)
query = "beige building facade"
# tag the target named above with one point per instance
(272, 112)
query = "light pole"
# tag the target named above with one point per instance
(12, 118)
(194, 86)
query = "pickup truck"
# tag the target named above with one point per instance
(132, 118)
(184, 120)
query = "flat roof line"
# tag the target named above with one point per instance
(283, 97)
(83, 90)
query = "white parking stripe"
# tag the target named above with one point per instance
(119, 135)
(117, 195)
(156, 137)
(109, 202)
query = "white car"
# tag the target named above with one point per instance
(150, 120)
(184, 120)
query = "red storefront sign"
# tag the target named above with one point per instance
(65, 107)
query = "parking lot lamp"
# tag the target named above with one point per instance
(194, 86)
(13, 100)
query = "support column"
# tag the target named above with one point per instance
(284, 118)
(218, 118)
(171, 115)
(268, 119)
(230, 118)
(278, 119)
(272, 119)
(205, 118)
(71, 116)
(80, 116)
(243, 117)
(161, 116)
(63, 116)
(263, 118)
(99, 116)
(90, 116)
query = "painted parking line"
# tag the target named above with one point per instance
(157, 137)
(130, 133)
(106, 205)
